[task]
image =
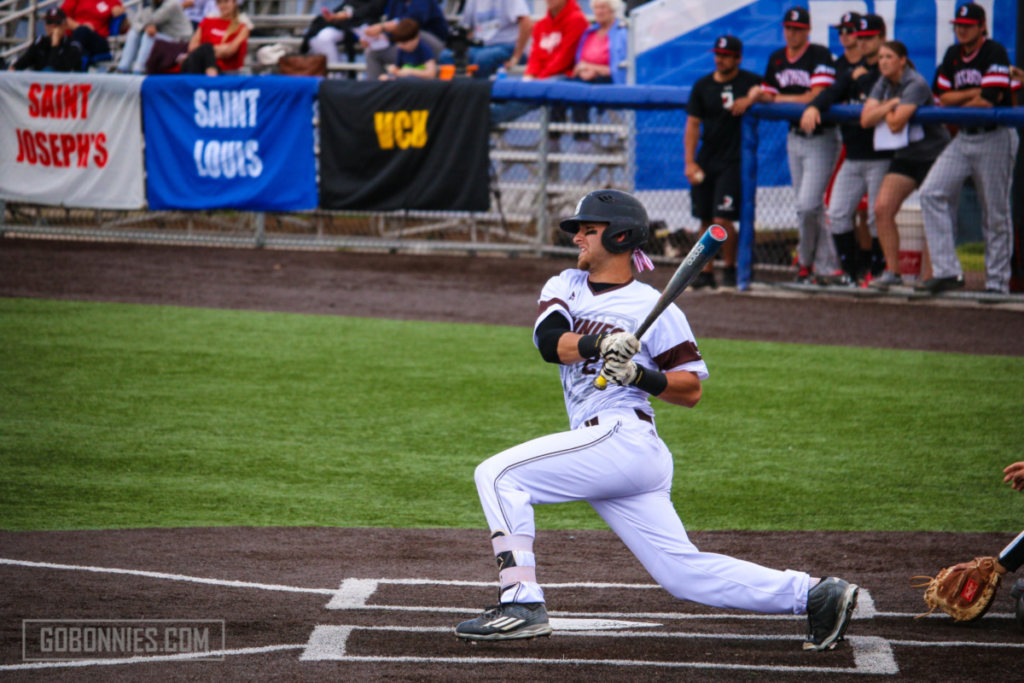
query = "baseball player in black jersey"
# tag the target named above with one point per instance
(863, 168)
(797, 73)
(974, 73)
(848, 26)
(716, 104)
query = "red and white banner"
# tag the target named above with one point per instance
(71, 139)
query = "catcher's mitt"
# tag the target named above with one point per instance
(963, 591)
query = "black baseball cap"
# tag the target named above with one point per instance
(848, 22)
(728, 45)
(54, 15)
(970, 14)
(870, 25)
(797, 17)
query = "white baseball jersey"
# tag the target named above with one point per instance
(668, 345)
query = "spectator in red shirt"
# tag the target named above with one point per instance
(89, 23)
(554, 40)
(219, 44)
(553, 44)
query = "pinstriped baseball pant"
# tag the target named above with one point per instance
(624, 470)
(855, 177)
(811, 162)
(987, 157)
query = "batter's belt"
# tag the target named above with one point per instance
(593, 422)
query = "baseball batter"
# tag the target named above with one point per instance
(612, 456)
(974, 73)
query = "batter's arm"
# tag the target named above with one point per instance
(683, 389)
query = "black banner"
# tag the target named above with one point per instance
(406, 144)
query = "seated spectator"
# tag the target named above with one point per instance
(52, 51)
(89, 22)
(219, 44)
(413, 58)
(197, 10)
(330, 28)
(602, 48)
(599, 56)
(433, 31)
(503, 26)
(893, 100)
(165, 20)
(555, 38)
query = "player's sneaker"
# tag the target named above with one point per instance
(886, 280)
(940, 284)
(804, 275)
(507, 621)
(830, 605)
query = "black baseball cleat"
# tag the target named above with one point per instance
(830, 606)
(507, 621)
(937, 285)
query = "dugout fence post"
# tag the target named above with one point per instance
(748, 203)
(259, 224)
(542, 180)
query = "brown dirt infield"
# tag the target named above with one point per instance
(273, 586)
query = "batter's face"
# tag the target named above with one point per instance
(588, 240)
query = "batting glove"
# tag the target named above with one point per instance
(619, 346)
(623, 373)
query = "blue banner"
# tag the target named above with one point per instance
(237, 142)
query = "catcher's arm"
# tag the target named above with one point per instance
(1015, 475)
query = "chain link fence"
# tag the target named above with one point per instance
(541, 164)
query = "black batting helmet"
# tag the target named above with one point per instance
(625, 215)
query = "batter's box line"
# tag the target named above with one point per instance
(355, 594)
(871, 654)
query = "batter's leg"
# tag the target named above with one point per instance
(648, 524)
(938, 193)
(582, 464)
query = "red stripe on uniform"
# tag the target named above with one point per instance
(545, 305)
(943, 83)
(678, 355)
(995, 81)
(822, 80)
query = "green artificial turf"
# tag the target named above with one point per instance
(116, 415)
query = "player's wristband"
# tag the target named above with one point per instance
(589, 345)
(651, 381)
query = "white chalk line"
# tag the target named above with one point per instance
(877, 653)
(212, 654)
(365, 586)
(170, 577)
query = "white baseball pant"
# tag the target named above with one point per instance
(624, 470)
